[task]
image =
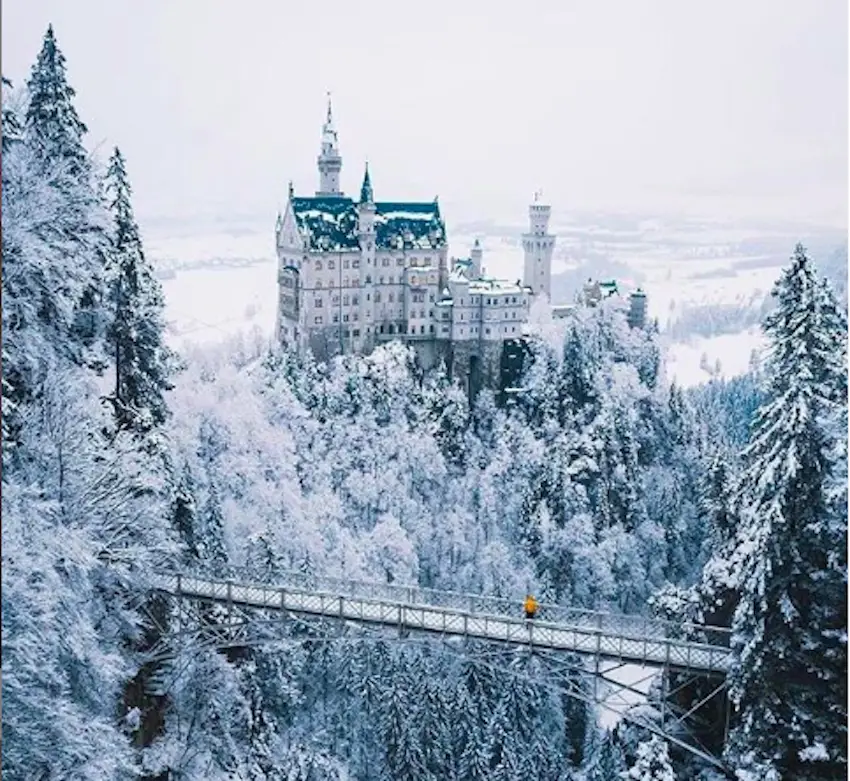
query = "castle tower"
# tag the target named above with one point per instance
(538, 245)
(476, 256)
(329, 160)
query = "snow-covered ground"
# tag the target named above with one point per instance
(221, 279)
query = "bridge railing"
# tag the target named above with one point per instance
(607, 622)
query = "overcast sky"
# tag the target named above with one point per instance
(729, 107)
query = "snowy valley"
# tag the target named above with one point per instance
(225, 558)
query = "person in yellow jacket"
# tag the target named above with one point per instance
(530, 606)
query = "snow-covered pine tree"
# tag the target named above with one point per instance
(789, 680)
(653, 762)
(12, 129)
(136, 306)
(54, 132)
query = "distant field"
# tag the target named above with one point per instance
(223, 278)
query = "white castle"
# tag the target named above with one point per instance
(354, 274)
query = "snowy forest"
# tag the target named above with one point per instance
(601, 485)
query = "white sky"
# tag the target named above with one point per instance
(725, 107)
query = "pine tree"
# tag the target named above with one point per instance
(53, 126)
(54, 132)
(653, 762)
(790, 627)
(13, 131)
(209, 537)
(136, 332)
(184, 514)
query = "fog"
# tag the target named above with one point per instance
(723, 108)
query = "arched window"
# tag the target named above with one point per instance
(318, 265)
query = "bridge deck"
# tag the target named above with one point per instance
(622, 638)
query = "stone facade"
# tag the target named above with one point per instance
(355, 274)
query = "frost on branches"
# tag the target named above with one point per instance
(790, 626)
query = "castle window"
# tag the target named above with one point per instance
(385, 262)
(336, 318)
(431, 298)
(381, 329)
(421, 329)
(487, 331)
(377, 296)
(318, 284)
(317, 303)
(318, 265)
(355, 263)
(346, 282)
(391, 328)
(345, 300)
(335, 300)
(431, 328)
(355, 300)
(345, 318)
(368, 297)
(356, 332)
(422, 313)
(380, 280)
(355, 317)
(391, 297)
(318, 320)
(368, 279)
(513, 300)
(345, 263)
(413, 329)
(331, 264)
(399, 261)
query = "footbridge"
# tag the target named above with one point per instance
(606, 636)
(623, 654)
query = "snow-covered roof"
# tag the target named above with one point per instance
(495, 287)
(331, 223)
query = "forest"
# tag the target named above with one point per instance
(601, 485)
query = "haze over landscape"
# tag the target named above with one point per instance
(732, 110)
(429, 481)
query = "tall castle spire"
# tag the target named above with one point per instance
(329, 160)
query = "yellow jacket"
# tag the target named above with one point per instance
(530, 605)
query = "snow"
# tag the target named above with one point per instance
(693, 362)
(634, 675)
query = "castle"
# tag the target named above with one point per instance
(355, 274)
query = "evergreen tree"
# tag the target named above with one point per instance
(184, 513)
(12, 129)
(209, 537)
(790, 627)
(53, 127)
(136, 332)
(653, 762)
(54, 133)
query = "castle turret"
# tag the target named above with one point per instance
(538, 245)
(329, 160)
(637, 309)
(476, 257)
